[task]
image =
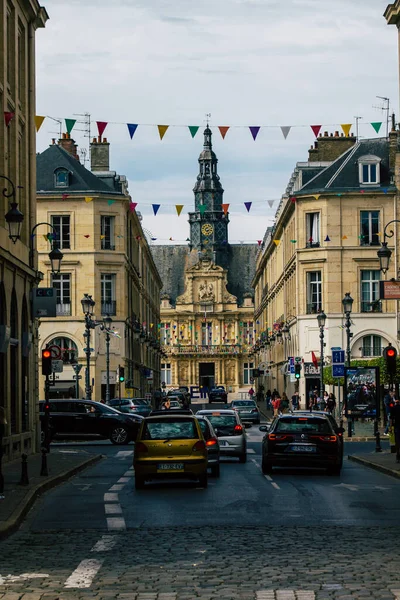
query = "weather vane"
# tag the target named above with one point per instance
(208, 116)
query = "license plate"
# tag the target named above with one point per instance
(303, 448)
(245, 412)
(170, 467)
(223, 443)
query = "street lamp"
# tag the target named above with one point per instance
(347, 306)
(55, 255)
(384, 253)
(14, 217)
(88, 307)
(321, 318)
(106, 327)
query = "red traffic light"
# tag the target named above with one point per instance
(391, 352)
(46, 354)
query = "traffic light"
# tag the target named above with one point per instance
(121, 374)
(297, 370)
(390, 356)
(46, 362)
(46, 407)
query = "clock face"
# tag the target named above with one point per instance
(207, 229)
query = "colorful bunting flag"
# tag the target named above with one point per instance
(88, 199)
(277, 242)
(178, 208)
(293, 199)
(102, 237)
(344, 237)
(248, 205)
(65, 196)
(39, 122)
(87, 236)
(202, 209)
(259, 242)
(225, 208)
(46, 239)
(316, 196)
(316, 129)
(8, 117)
(376, 126)
(271, 203)
(193, 130)
(132, 128)
(223, 131)
(385, 190)
(285, 130)
(162, 130)
(155, 208)
(171, 240)
(346, 128)
(109, 202)
(293, 241)
(69, 124)
(132, 206)
(327, 239)
(254, 132)
(101, 125)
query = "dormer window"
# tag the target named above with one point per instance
(61, 178)
(369, 170)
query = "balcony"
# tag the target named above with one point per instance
(313, 245)
(217, 349)
(313, 308)
(374, 306)
(107, 245)
(63, 310)
(109, 308)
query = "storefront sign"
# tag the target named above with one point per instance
(389, 290)
(310, 370)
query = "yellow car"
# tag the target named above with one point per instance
(170, 444)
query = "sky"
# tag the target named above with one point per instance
(267, 63)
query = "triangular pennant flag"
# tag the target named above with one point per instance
(132, 128)
(46, 239)
(293, 241)
(314, 360)
(202, 209)
(179, 208)
(316, 196)
(101, 125)
(132, 206)
(193, 130)
(285, 130)
(339, 195)
(254, 132)
(161, 130)
(385, 190)
(39, 122)
(109, 202)
(376, 126)
(171, 240)
(153, 239)
(223, 131)
(65, 196)
(346, 128)
(259, 242)
(88, 199)
(8, 117)
(271, 203)
(276, 242)
(87, 236)
(327, 239)
(310, 240)
(69, 124)
(102, 237)
(225, 208)
(316, 129)
(188, 240)
(293, 199)
(362, 191)
(248, 205)
(344, 237)
(155, 208)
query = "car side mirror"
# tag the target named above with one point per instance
(263, 428)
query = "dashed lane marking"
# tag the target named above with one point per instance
(275, 485)
(116, 488)
(110, 497)
(24, 576)
(105, 543)
(84, 574)
(116, 524)
(124, 453)
(113, 509)
(250, 451)
(123, 480)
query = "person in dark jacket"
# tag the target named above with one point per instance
(3, 423)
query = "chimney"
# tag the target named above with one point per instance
(329, 147)
(69, 145)
(100, 155)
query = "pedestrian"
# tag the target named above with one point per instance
(323, 401)
(296, 401)
(166, 404)
(157, 398)
(276, 404)
(251, 393)
(3, 423)
(331, 403)
(275, 394)
(268, 398)
(395, 423)
(284, 406)
(388, 402)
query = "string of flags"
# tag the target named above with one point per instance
(193, 129)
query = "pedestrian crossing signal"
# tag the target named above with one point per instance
(297, 370)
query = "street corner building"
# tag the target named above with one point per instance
(105, 256)
(207, 309)
(19, 21)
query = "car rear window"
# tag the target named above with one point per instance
(304, 424)
(163, 429)
(224, 423)
(204, 428)
(122, 402)
(243, 403)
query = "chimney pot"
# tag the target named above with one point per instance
(325, 133)
(94, 141)
(53, 141)
(336, 134)
(105, 141)
(64, 136)
(99, 139)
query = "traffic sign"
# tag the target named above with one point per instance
(77, 367)
(298, 359)
(55, 351)
(57, 366)
(338, 357)
(338, 370)
(76, 376)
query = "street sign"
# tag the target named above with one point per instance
(57, 366)
(55, 351)
(338, 357)
(338, 370)
(76, 377)
(298, 359)
(77, 367)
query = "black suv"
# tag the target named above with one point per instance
(85, 418)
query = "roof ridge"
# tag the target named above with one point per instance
(344, 163)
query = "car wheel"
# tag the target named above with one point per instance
(203, 480)
(119, 435)
(243, 457)
(215, 470)
(266, 466)
(335, 471)
(139, 482)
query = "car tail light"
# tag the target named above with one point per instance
(276, 436)
(199, 446)
(140, 447)
(324, 438)
(255, 410)
(237, 429)
(211, 442)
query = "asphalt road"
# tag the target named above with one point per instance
(293, 535)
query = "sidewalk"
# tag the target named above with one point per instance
(61, 464)
(380, 461)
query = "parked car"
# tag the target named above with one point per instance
(212, 443)
(230, 431)
(217, 394)
(247, 410)
(170, 444)
(92, 420)
(301, 440)
(140, 406)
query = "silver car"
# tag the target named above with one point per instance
(230, 431)
(247, 410)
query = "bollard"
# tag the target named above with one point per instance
(378, 447)
(24, 470)
(43, 470)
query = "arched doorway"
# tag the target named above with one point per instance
(65, 387)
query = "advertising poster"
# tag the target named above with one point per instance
(361, 392)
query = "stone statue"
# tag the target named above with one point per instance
(206, 291)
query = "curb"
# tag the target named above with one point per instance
(375, 466)
(15, 521)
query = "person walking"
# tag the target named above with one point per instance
(3, 423)
(284, 406)
(395, 423)
(251, 393)
(268, 398)
(388, 402)
(331, 403)
(276, 405)
(324, 401)
(296, 401)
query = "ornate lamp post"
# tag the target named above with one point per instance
(55, 254)
(106, 327)
(384, 253)
(347, 306)
(321, 318)
(14, 217)
(88, 307)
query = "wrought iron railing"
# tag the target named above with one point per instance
(109, 308)
(63, 310)
(374, 306)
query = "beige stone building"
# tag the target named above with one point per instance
(106, 255)
(328, 229)
(19, 20)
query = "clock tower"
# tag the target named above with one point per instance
(209, 223)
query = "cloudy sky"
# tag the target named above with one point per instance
(246, 62)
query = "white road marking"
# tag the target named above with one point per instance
(352, 488)
(107, 542)
(124, 453)
(110, 497)
(275, 485)
(13, 578)
(116, 488)
(84, 574)
(268, 477)
(250, 451)
(123, 480)
(113, 509)
(116, 523)
(129, 473)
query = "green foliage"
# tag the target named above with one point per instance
(371, 362)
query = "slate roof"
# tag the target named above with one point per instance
(173, 261)
(343, 174)
(81, 179)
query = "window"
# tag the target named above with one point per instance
(69, 350)
(108, 302)
(247, 335)
(372, 345)
(314, 292)
(369, 170)
(369, 228)
(166, 373)
(62, 284)
(312, 229)
(61, 224)
(370, 291)
(61, 178)
(107, 233)
(165, 333)
(247, 372)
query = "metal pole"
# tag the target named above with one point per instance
(107, 367)
(77, 384)
(321, 337)
(350, 421)
(88, 388)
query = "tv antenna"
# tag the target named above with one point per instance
(385, 108)
(357, 119)
(59, 121)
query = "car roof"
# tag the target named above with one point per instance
(222, 411)
(167, 413)
(294, 415)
